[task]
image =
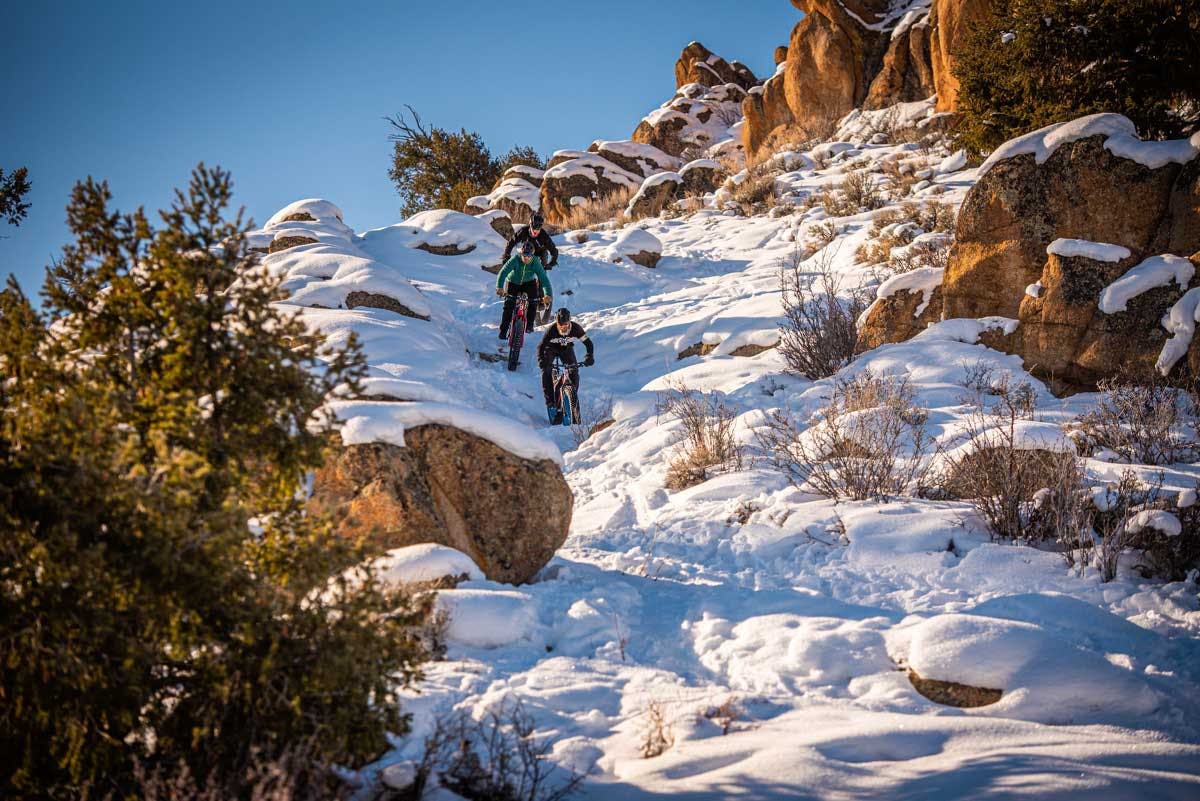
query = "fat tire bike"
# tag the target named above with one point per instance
(565, 396)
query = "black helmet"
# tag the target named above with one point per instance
(527, 248)
(562, 316)
(537, 220)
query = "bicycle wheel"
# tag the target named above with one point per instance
(516, 338)
(570, 406)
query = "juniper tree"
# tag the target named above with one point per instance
(12, 191)
(438, 169)
(164, 600)
(1031, 63)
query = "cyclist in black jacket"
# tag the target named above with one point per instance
(559, 341)
(535, 233)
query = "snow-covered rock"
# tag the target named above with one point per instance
(638, 246)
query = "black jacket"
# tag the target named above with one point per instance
(555, 344)
(541, 243)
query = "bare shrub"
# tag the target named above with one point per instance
(728, 114)
(818, 335)
(592, 414)
(933, 252)
(708, 444)
(607, 209)
(294, 775)
(725, 714)
(859, 191)
(1001, 474)
(658, 735)
(820, 236)
(756, 193)
(496, 758)
(1130, 515)
(1146, 424)
(869, 442)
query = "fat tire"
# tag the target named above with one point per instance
(570, 406)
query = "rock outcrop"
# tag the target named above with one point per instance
(1082, 233)
(847, 54)
(453, 488)
(698, 64)
(582, 178)
(655, 194)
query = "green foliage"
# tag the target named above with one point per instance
(164, 600)
(12, 190)
(1068, 58)
(438, 169)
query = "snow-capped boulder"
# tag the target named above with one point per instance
(1103, 224)
(424, 564)
(444, 232)
(500, 222)
(480, 618)
(308, 210)
(699, 65)
(637, 245)
(904, 306)
(586, 175)
(655, 194)
(635, 157)
(517, 196)
(701, 176)
(447, 485)
(477, 204)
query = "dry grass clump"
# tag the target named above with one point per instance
(708, 444)
(725, 714)
(856, 193)
(1123, 520)
(1146, 424)
(869, 442)
(607, 209)
(498, 758)
(820, 327)
(658, 735)
(756, 193)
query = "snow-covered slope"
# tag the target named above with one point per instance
(801, 609)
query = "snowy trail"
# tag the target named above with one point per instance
(802, 610)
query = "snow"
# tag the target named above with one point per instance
(1097, 251)
(1034, 290)
(1156, 271)
(1157, 519)
(1120, 139)
(1180, 322)
(487, 618)
(321, 210)
(382, 421)
(424, 562)
(743, 586)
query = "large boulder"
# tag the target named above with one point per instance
(446, 486)
(635, 157)
(701, 176)
(1083, 233)
(582, 179)
(655, 194)
(636, 245)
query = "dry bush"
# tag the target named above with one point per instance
(708, 443)
(658, 735)
(294, 775)
(1119, 526)
(859, 192)
(820, 328)
(596, 411)
(933, 253)
(820, 236)
(610, 208)
(1022, 494)
(888, 231)
(869, 442)
(727, 114)
(726, 714)
(497, 758)
(756, 194)
(1147, 424)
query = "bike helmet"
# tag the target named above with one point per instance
(527, 248)
(536, 221)
(562, 316)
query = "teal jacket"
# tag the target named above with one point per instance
(518, 272)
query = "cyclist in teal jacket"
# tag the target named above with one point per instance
(521, 276)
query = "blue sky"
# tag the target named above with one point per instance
(290, 96)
